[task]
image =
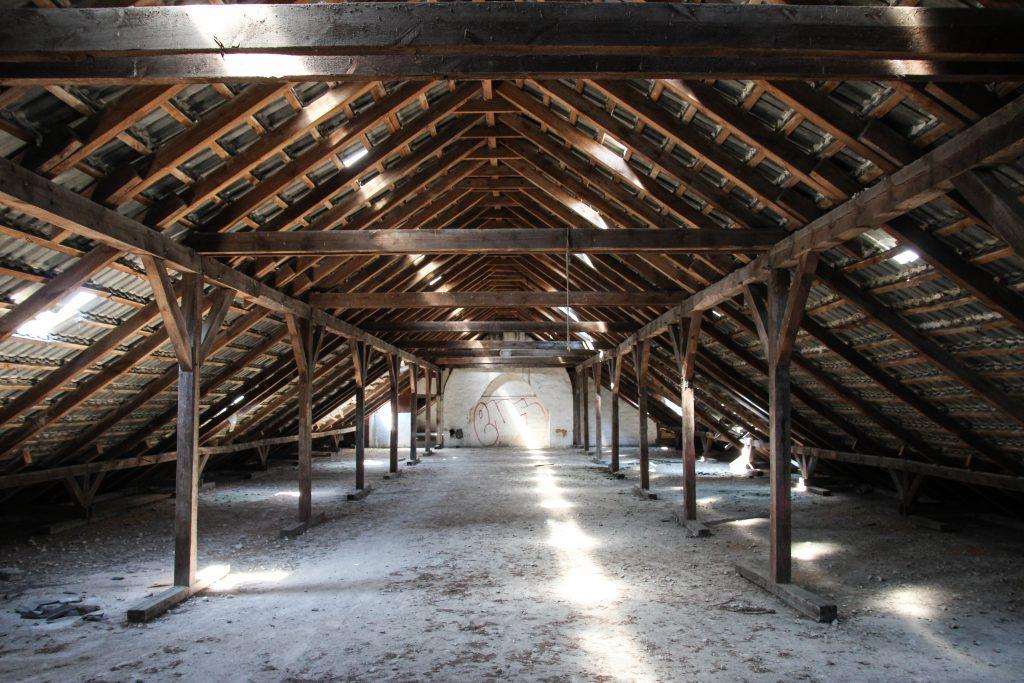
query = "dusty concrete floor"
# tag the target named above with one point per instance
(520, 565)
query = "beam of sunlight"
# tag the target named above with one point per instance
(812, 550)
(613, 652)
(252, 578)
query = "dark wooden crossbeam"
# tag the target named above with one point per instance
(369, 41)
(488, 241)
(497, 326)
(457, 345)
(489, 299)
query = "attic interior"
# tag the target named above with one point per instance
(561, 341)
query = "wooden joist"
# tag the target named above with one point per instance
(383, 41)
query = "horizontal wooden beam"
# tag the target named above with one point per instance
(57, 473)
(510, 28)
(999, 481)
(47, 201)
(470, 362)
(485, 299)
(453, 345)
(177, 70)
(498, 326)
(484, 241)
(995, 139)
(382, 41)
(510, 354)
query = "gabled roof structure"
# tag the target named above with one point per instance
(254, 156)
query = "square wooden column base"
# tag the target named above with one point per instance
(152, 607)
(302, 527)
(798, 598)
(644, 494)
(694, 529)
(359, 494)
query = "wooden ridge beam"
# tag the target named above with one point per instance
(483, 241)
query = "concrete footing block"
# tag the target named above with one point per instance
(644, 494)
(694, 529)
(359, 494)
(800, 599)
(150, 608)
(392, 475)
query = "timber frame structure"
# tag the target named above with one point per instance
(795, 226)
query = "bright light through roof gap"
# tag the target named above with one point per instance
(44, 323)
(906, 256)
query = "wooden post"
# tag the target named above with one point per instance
(439, 411)
(302, 338)
(427, 442)
(413, 459)
(574, 383)
(360, 356)
(393, 365)
(777, 310)
(184, 325)
(585, 409)
(642, 357)
(597, 411)
(616, 380)
(684, 343)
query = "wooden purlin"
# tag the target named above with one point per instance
(997, 137)
(44, 200)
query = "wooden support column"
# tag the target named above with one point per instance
(574, 381)
(303, 340)
(360, 358)
(439, 413)
(597, 411)
(777, 310)
(427, 427)
(616, 380)
(191, 340)
(641, 364)
(585, 410)
(684, 343)
(413, 459)
(393, 369)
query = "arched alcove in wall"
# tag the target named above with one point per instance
(509, 413)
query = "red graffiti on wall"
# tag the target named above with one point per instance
(491, 416)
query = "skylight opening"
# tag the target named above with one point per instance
(354, 157)
(569, 312)
(40, 326)
(586, 259)
(434, 281)
(906, 256)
